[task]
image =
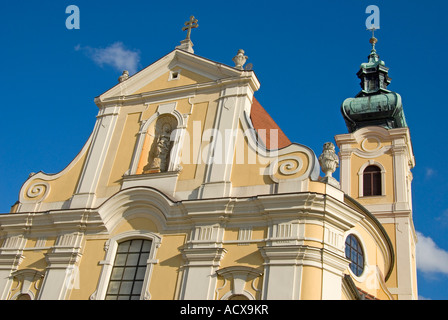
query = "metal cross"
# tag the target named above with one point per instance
(193, 23)
(373, 40)
(373, 30)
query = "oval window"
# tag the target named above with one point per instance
(354, 252)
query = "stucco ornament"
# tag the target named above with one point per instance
(329, 162)
(124, 76)
(240, 59)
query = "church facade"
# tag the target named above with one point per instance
(187, 189)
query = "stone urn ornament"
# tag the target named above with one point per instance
(329, 162)
(240, 59)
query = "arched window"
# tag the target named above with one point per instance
(128, 254)
(372, 181)
(354, 252)
(128, 273)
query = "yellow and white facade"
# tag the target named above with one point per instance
(232, 211)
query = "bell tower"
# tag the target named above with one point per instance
(376, 159)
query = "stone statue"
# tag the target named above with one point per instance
(329, 162)
(164, 147)
(161, 153)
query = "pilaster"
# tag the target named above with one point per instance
(102, 135)
(200, 272)
(62, 269)
(11, 255)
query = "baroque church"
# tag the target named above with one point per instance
(188, 190)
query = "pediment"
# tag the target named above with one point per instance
(176, 69)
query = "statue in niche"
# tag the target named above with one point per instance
(159, 156)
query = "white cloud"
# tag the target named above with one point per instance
(116, 55)
(430, 258)
(429, 172)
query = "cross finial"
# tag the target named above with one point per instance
(191, 24)
(373, 40)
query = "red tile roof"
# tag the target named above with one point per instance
(366, 295)
(262, 120)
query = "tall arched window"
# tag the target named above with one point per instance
(128, 254)
(372, 181)
(129, 269)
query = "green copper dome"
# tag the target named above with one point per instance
(374, 105)
(385, 110)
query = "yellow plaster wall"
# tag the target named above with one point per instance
(63, 187)
(191, 155)
(386, 161)
(242, 255)
(34, 259)
(166, 273)
(316, 186)
(390, 229)
(311, 283)
(89, 269)
(186, 78)
(123, 154)
(193, 166)
(134, 224)
(250, 168)
(314, 234)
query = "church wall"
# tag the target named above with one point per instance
(311, 288)
(168, 271)
(390, 229)
(121, 155)
(185, 78)
(191, 152)
(62, 187)
(372, 279)
(86, 281)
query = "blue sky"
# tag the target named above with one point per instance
(51, 75)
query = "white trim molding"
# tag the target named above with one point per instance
(111, 250)
(239, 276)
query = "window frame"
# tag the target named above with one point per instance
(143, 249)
(374, 183)
(359, 251)
(367, 267)
(111, 247)
(361, 179)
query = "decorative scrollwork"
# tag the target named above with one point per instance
(287, 165)
(38, 191)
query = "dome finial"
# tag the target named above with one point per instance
(373, 40)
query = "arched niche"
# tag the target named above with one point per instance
(159, 142)
(156, 150)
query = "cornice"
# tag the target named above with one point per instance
(53, 222)
(175, 93)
